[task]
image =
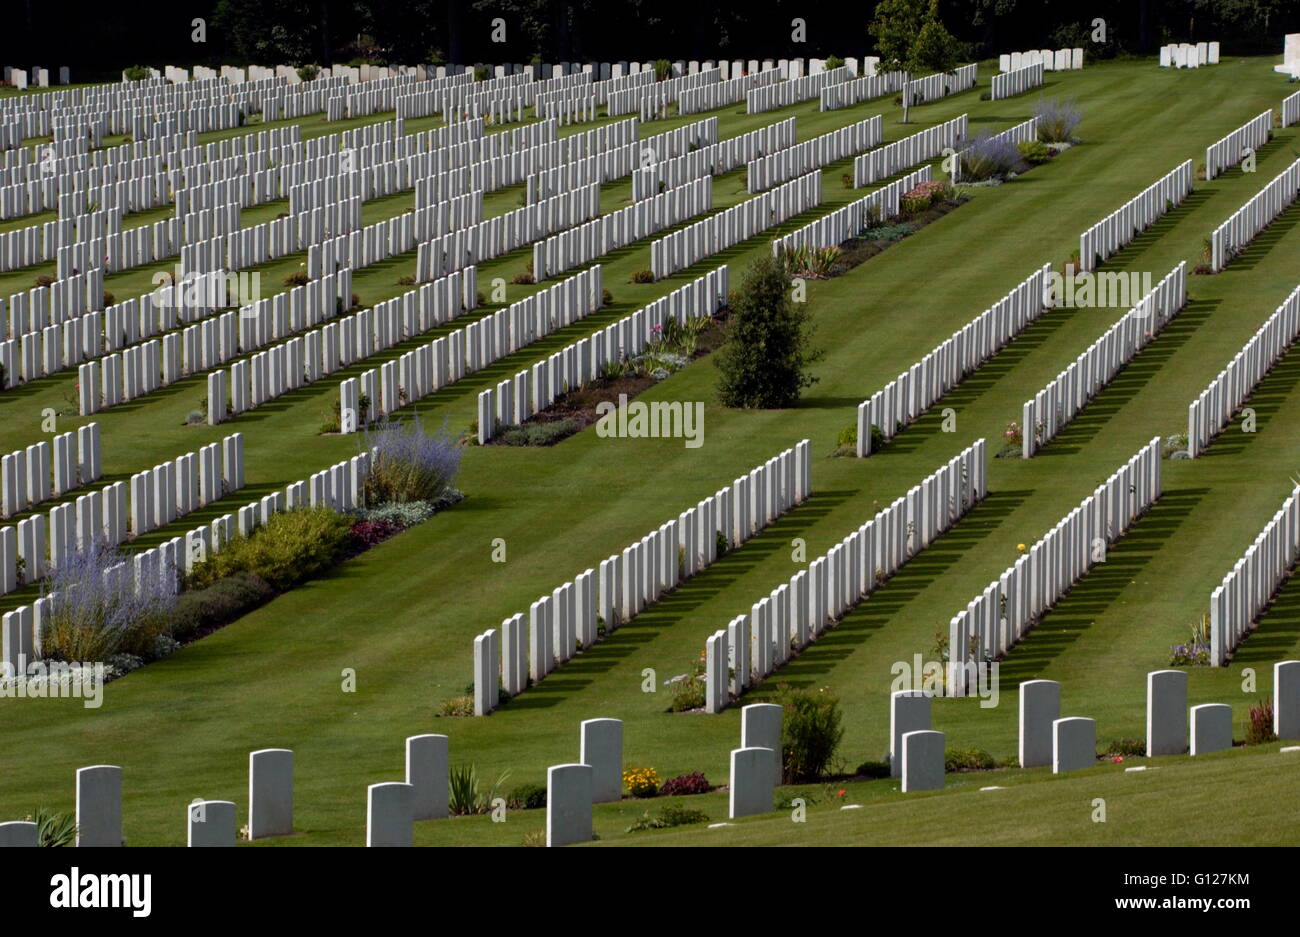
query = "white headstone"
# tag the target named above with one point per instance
(1286, 699)
(909, 711)
(389, 814)
(1166, 712)
(1074, 744)
(18, 833)
(210, 823)
(1211, 728)
(1040, 706)
(427, 773)
(270, 793)
(602, 749)
(568, 804)
(99, 806)
(751, 788)
(922, 768)
(760, 727)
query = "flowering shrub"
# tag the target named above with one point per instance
(1012, 435)
(97, 613)
(407, 464)
(1259, 724)
(1197, 648)
(369, 533)
(694, 783)
(641, 782)
(922, 196)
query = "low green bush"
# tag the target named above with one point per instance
(221, 602)
(538, 434)
(527, 797)
(1034, 152)
(873, 769)
(1127, 748)
(967, 759)
(668, 815)
(811, 730)
(289, 548)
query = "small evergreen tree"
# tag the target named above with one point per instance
(765, 357)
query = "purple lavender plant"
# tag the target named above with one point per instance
(99, 609)
(1057, 119)
(989, 157)
(408, 464)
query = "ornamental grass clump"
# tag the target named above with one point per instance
(989, 157)
(408, 464)
(1057, 119)
(98, 613)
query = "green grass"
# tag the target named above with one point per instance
(404, 614)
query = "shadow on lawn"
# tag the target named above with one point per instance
(1132, 379)
(886, 604)
(1093, 596)
(1266, 400)
(679, 604)
(1278, 635)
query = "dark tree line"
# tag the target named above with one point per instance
(99, 39)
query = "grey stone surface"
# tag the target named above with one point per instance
(389, 820)
(18, 833)
(1040, 706)
(909, 711)
(1211, 728)
(602, 749)
(760, 727)
(1166, 712)
(751, 787)
(1074, 744)
(210, 823)
(270, 793)
(568, 804)
(922, 761)
(427, 773)
(99, 806)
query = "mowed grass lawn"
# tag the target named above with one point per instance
(403, 616)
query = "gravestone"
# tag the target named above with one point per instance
(568, 804)
(1040, 706)
(1286, 699)
(922, 768)
(210, 823)
(1166, 712)
(760, 727)
(1211, 728)
(751, 787)
(99, 806)
(909, 711)
(427, 774)
(18, 833)
(389, 814)
(270, 793)
(1074, 744)
(602, 750)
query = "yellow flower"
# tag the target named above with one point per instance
(1020, 546)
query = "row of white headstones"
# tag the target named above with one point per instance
(916, 758)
